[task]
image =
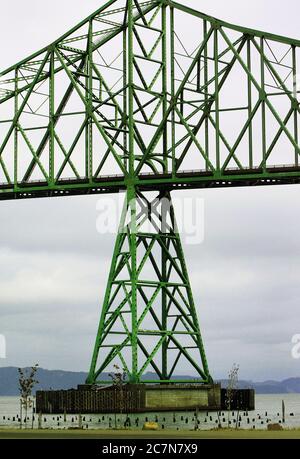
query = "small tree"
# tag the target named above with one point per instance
(231, 387)
(26, 383)
(118, 380)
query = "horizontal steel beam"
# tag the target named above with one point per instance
(151, 182)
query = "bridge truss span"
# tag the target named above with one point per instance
(141, 97)
(150, 96)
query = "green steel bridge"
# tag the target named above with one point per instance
(146, 98)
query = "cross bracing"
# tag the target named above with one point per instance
(167, 95)
(150, 97)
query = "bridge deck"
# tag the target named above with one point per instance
(193, 179)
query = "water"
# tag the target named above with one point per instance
(268, 410)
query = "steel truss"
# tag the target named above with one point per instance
(162, 97)
(142, 100)
(148, 319)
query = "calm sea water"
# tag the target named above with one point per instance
(268, 410)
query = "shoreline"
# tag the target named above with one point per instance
(93, 434)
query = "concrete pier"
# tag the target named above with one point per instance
(182, 397)
(138, 398)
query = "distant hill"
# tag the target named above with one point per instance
(59, 379)
(48, 379)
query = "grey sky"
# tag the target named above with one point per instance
(53, 263)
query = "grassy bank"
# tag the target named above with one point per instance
(132, 434)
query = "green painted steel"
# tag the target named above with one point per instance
(145, 103)
(149, 319)
(130, 100)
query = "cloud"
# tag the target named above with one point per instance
(54, 264)
(52, 282)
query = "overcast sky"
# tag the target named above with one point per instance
(53, 263)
